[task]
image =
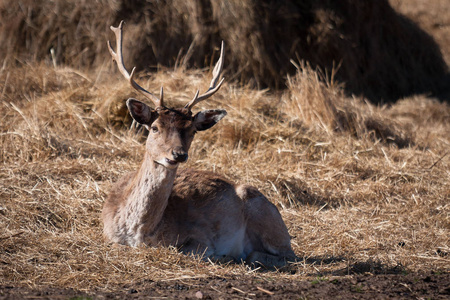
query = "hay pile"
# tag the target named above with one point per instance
(381, 54)
(430, 17)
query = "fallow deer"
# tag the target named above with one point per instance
(198, 212)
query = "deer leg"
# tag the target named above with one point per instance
(268, 241)
(268, 261)
(198, 249)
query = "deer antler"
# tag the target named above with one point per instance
(213, 87)
(118, 57)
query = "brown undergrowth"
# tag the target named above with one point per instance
(363, 189)
(355, 198)
(383, 55)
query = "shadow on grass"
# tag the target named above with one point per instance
(362, 267)
(299, 194)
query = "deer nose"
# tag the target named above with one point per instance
(180, 155)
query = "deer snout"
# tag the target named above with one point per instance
(180, 155)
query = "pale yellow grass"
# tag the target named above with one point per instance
(353, 200)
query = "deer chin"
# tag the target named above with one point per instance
(168, 163)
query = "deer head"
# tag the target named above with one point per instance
(171, 130)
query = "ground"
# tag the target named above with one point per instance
(367, 286)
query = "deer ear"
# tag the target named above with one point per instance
(140, 112)
(208, 118)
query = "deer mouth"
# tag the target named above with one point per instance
(170, 163)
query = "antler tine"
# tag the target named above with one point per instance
(213, 86)
(118, 57)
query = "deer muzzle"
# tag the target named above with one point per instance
(179, 155)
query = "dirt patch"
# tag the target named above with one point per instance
(428, 286)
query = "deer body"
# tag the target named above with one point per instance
(201, 214)
(198, 212)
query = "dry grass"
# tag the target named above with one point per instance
(353, 201)
(382, 55)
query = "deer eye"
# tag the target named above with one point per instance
(154, 129)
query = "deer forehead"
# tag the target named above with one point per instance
(176, 119)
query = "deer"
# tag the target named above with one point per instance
(198, 212)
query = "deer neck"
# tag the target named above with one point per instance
(148, 199)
